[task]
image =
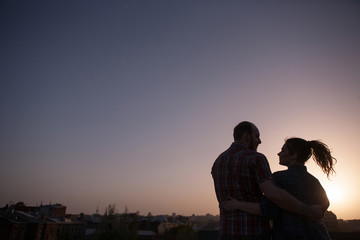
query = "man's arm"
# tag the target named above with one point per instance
(286, 201)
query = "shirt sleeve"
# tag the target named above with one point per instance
(262, 169)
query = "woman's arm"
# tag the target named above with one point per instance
(249, 207)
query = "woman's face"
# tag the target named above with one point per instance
(285, 158)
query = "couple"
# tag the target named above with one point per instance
(250, 195)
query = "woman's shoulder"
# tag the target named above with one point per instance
(293, 174)
(281, 173)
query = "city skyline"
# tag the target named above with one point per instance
(131, 102)
(21, 206)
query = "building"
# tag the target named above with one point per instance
(20, 225)
(52, 210)
(349, 225)
(330, 221)
(39, 223)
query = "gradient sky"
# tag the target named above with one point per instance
(130, 102)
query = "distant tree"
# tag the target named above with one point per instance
(126, 209)
(183, 232)
(129, 226)
(114, 226)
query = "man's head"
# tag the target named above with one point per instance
(248, 134)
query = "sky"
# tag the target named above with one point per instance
(130, 102)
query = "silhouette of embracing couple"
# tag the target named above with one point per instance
(251, 197)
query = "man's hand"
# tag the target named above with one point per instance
(230, 205)
(313, 212)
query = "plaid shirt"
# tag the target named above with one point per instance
(305, 187)
(237, 172)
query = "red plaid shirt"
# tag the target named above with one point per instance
(237, 172)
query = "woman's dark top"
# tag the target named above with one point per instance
(305, 187)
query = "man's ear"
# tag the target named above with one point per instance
(245, 138)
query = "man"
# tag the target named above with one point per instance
(243, 173)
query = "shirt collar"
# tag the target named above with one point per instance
(298, 167)
(239, 145)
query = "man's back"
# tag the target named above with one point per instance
(237, 172)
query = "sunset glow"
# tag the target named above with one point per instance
(131, 102)
(336, 194)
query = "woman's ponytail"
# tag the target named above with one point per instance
(322, 156)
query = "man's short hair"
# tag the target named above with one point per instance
(241, 129)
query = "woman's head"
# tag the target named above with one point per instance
(300, 147)
(303, 150)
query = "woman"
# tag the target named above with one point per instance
(301, 184)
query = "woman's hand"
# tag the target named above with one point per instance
(234, 204)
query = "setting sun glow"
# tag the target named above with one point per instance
(130, 102)
(335, 193)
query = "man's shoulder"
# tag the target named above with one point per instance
(237, 151)
(253, 154)
(259, 154)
